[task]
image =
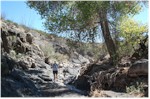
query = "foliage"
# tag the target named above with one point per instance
(49, 51)
(137, 88)
(131, 33)
(10, 21)
(94, 50)
(79, 18)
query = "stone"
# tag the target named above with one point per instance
(12, 31)
(19, 46)
(47, 60)
(29, 38)
(33, 65)
(139, 68)
(24, 65)
(45, 77)
(23, 39)
(60, 49)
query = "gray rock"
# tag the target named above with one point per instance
(24, 65)
(45, 77)
(139, 68)
(29, 38)
(33, 65)
(47, 60)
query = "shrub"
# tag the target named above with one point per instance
(136, 88)
(49, 52)
(47, 49)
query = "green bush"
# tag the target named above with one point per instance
(135, 88)
(49, 51)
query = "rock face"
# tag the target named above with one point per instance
(111, 78)
(139, 68)
(25, 66)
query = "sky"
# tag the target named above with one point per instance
(19, 12)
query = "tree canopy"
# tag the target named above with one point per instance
(80, 18)
(85, 20)
(131, 32)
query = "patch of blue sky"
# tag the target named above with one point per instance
(142, 17)
(19, 12)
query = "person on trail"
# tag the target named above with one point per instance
(55, 70)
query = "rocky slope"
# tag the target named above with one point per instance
(26, 58)
(27, 55)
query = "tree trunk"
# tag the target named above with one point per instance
(107, 37)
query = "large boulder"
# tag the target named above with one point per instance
(26, 62)
(139, 68)
(19, 46)
(29, 38)
(22, 37)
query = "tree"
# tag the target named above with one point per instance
(132, 33)
(82, 19)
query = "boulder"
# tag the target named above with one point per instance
(138, 68)
(33, 65)
(47, 60)
(26, 62)
(24, 65)
(19, 46)
(22, 37)
(61, 49)
(45, 77)
(29, 38)
(12, 31)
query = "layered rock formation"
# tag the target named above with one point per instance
(26, 58)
